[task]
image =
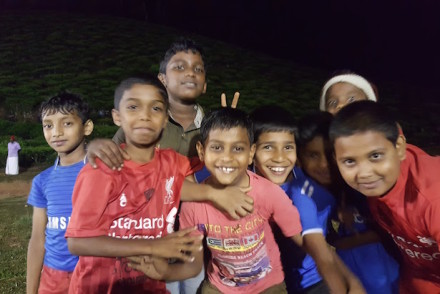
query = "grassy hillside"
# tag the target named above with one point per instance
(42, 53)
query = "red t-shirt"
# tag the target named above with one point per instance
(140, 201)
(410, 213)
(244, 255)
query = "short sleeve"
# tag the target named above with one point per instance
(284, 213)
(36, 196)
(188, 216)
(91, 194)
(308, 214)
(188, 166)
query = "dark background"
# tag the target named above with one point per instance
(386, 40)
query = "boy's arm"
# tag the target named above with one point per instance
(338, 278)
(35, 254)
(232, 200)
(161, 269)
(178, 245)
(108, 151)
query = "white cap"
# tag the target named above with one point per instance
(353, 79)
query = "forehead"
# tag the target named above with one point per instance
(54, 114)
(276, 137)
(342, 88)
(360, 144)
(316, 144)
(187, 56)
(142, 92)
(229, 136)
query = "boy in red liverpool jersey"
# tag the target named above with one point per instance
(131, 212)
(402, 184)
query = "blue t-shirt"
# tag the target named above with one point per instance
(52, 189)
(315, 204)
(371, 263)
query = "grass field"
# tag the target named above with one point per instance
(15, 230)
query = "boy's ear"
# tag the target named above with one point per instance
(401, 147)
(200, 151)
(205, 86)
(252, 153)
(116, 117)
(162, 79)
(88, 127)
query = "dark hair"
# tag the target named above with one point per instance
(66, 103)
(182, 44)
(312, 125)
(127, 84)
(272, 118)
(224, 119)
(364, 116)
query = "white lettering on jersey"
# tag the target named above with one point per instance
(123, 200)
(307, 189)
(170, 219)
(143, 223)
(57, 223)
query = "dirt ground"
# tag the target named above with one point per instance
(19, 185)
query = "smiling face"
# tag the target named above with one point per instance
(275, 156)
(314, 161)
(227, 155)
(368, 162)
(342, 94)
(142, 115)
(185, 77)
(65, 132)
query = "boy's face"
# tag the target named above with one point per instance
(185, 77)
(227, 155)
(314, 162)
(342, 94)
(65, 132)
(142, 114)
(368, 162)
(275, 156)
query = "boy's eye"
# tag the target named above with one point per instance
(47, 126)
(313, 155)
(351, 99)
(157, 108)
(199, 69)
(376, 156)
(331, 104)
(215, 147)
(349, 162)
(131, 107)
(267, 147)
(179, 67)
(238, 148)
(68, 123)
(290, 147)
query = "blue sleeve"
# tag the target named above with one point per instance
(36, 195)
(308, 213)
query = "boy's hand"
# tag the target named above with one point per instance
(180, 245)
(234, 100)
(233, 201)
(153, 267)
(106, 150)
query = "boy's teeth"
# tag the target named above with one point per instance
(227, 170)
(277, 169)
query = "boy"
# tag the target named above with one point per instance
(356, 243)
(244, 255)
(275, 159)
(402, 186)
(182, 72)
(126, 213)
(66, 123)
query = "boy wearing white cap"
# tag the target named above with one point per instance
(344, 89)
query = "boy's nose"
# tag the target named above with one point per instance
(365, 171)
(57, 131)
(278, 156)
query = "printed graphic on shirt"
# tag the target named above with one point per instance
(123, 200)
(169, 197)
(307, 188)
(426, 249)
(239, 252)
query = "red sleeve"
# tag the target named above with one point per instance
(433, 220)
(188, 166)
(284, 213)
(92, 192)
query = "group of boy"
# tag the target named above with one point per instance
(126, 202)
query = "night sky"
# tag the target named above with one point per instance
(386, 40)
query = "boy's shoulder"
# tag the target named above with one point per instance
(261, 184)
